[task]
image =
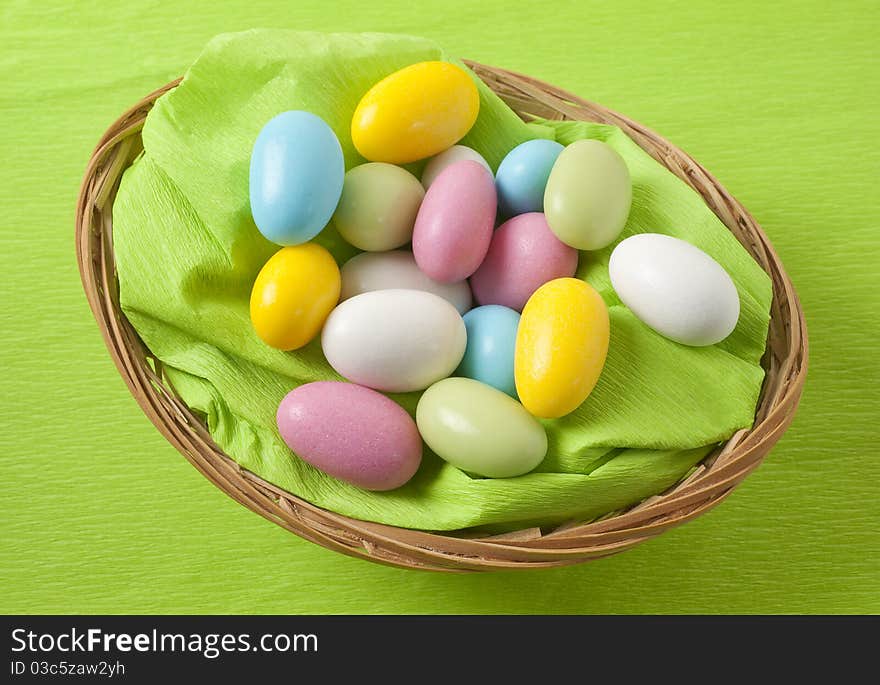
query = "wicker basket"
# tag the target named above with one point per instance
(785, 362)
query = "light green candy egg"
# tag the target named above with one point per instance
(378, 206)
(588, 195)
(480, 429)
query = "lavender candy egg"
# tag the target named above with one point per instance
(455, 222)
(351, 433)
(524, 254)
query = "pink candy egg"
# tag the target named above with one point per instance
(454, 225)
(351, 433)
(524, 254)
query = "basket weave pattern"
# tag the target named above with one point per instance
(785, 363)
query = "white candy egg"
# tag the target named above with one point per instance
(454, 154)
(394, 340)
(397, 269)
(675, 288)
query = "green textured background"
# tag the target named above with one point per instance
(781, 102)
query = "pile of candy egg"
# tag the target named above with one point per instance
(489, 322)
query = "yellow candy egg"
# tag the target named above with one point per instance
(561, 346)
(414, 113)
(293, 295)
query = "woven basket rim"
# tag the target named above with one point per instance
(785, 363)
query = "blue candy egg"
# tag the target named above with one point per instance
(491, 340)
(522, 176)
(296, 177)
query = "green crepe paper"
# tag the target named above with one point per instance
(187, 252)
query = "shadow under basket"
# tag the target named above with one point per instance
(785, 362)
